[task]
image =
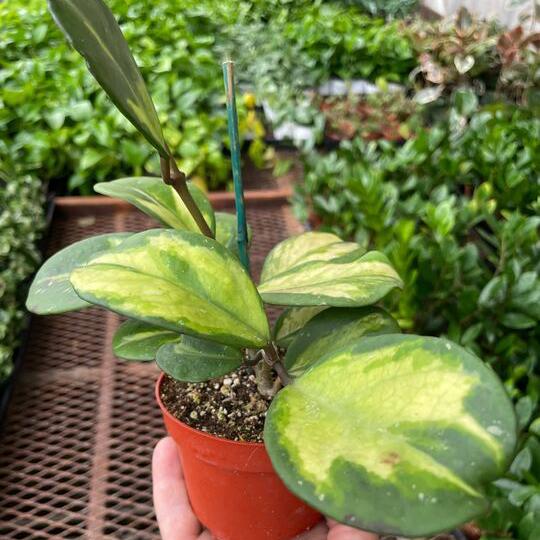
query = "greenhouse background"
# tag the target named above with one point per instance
(409, 129)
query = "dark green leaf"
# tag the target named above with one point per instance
(136, 340)
(522, 463)
(333, 329)
(196, 360)
(291, 321)
(524, 410)
(518, 321)
(92, 29)
(51, 291)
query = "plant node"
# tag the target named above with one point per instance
(174, 177)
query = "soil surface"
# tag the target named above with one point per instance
(228, 407)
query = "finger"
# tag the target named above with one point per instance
(174, 514)
(342, 532)
(319, 532)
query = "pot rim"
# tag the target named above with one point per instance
(202, 434)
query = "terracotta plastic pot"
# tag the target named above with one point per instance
(233, 488)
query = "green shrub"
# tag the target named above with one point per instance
(456, 210)
(307, 43)
(21, 223)
(386, 8)
(303, 47)
(56, 122)
(341, 42)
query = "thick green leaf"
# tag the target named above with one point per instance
(306, 247)
(181, 281)
(333, 329)
(92, 29)
(291, 321)
(196, 360)
(135, 340)
(518, 321)
(227, 231)
(396, 434)
(351, 280)
(51, 291)
(153, 197)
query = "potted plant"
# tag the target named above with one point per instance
(387, 115)
(387, 432)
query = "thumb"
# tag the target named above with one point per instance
(174, 514)
(337, 531)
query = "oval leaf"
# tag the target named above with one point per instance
(296, 250)
(396, 434)
(348, 281)
(92, 29)
(197, 360)
(291, 321)
(428, 95)
(155, 198)
(181, 281)
(135, 340)
(51, 291)
(463, 63)
(333, 329)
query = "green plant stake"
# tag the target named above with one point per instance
(228, 77)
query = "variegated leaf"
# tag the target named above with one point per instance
(351, 280)
(333, 329)
(153, 197)
(463, 63)
(135, 340)
(196, 360)
(306, 247)
(291, 321)
(92, 29)
(396, 434)
(227, 231)
(51, 291)
(181, 281)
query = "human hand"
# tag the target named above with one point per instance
(176, 518)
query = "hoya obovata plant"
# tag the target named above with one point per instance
(386, 432)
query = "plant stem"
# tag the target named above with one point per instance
(266, 384)
(274, 361)
(174, 177)
(282, 373)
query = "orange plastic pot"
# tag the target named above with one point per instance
(233, 488)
